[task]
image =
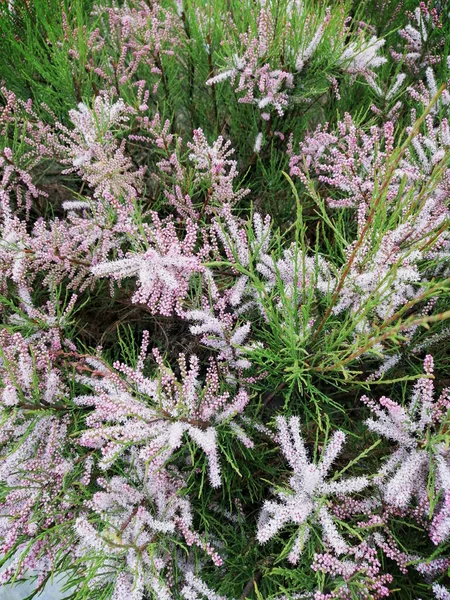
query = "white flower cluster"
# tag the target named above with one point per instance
(305, 502)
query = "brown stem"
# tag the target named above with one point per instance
(25, 406)
(371, 215)
(274, 393)
(129, 518)
(75, 261)
(250, 584)
(83, 458)
(207, 199)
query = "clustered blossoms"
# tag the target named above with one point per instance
(306, 501)
(137, 510)
(137, 526)
(139, 36)
(416, 51)
(249, 62)
(267, 88)
(163, 270)
(159, 413)
(348, 160)
(406, 475)
(146, 472)
(215, 169)
(35, 462)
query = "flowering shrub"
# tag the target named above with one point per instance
(224, 287)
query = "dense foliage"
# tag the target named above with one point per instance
(224, 293)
